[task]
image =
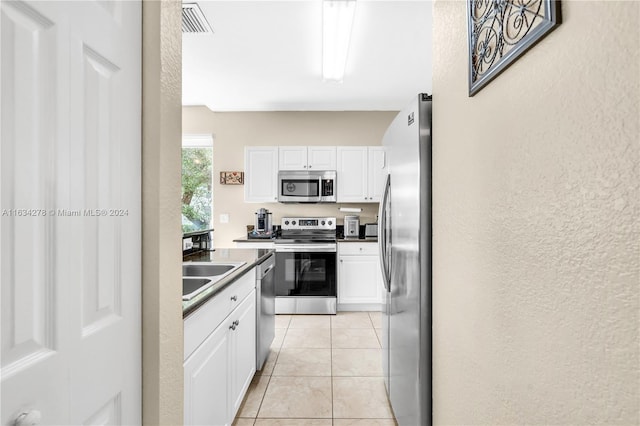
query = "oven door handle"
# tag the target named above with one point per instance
(315, 248)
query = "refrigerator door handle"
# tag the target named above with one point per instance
(382, 233)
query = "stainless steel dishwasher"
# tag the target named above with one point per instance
(265, 309)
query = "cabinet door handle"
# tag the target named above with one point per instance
(232, 327)
(234, 298)
(236, 322)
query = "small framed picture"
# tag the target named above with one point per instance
(231, 178)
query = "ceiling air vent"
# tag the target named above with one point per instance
(193, 20)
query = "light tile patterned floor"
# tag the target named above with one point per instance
(323, 370)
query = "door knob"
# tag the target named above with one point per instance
(28, 418)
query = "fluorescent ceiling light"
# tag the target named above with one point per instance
(337, 20)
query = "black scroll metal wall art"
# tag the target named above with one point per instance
(502, 30)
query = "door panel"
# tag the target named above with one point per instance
(30, 310)
(100, 178)
(377, 168)
(242, 342)
(352, 172)
(261, 174)
(28, 42)
(206, 381)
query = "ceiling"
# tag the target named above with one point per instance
(267, 56)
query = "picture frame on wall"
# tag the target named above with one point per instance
(500, 31)
(231, 178)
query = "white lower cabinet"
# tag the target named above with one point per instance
(218, 372)
(242, 345)
(360, 284)
(206, 381)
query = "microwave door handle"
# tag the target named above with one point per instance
(382, 233)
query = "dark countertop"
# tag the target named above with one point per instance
(254, 240)
(272, 240)
(252, 257)
(357, 240)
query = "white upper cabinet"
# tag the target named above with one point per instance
(377, 168)
(307, 158)
(261, 174)
(352, 174)
(292, 158)
(321, 157)
(361, 173)
(361, 170)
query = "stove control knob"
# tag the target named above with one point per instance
(330, 223)
(286, 222)
(293, 222)
(322, 223)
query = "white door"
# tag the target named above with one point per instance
(261, 174)
(70, 201)
(206, 381)
(377, 168)
(292, 158)
(242, 343)
(358, 279)
(322, 157)
(352, 174)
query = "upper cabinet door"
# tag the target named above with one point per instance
(377, 166)
(261, 174)
(305, 158)
(293, 158)
(321, 157)
(352, 174)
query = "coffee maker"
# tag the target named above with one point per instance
(262, 227)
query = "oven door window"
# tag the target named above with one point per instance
(300, 187)
(305, 274)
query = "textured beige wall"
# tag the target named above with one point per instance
(162, 328)
(233, 131)
(536, 233)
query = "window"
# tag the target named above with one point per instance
(197, 183)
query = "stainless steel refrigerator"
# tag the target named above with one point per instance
(405, 255)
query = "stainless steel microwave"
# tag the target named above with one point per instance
(307, 186)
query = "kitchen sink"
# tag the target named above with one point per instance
(205, 270)
(199, 276)
(193, 285)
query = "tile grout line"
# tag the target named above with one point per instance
(331, 365)
(275, 363)
(332, 376)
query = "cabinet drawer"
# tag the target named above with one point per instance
(237, 291)
(255, 245)
(360, 249)
(205, 319)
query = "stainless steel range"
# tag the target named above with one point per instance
(306, 266)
